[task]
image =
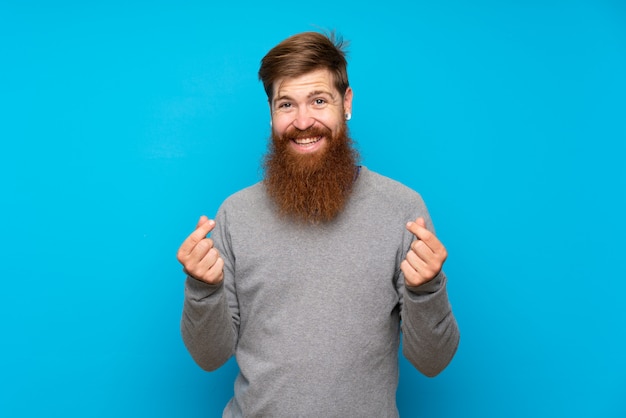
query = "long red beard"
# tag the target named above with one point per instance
(311, 188)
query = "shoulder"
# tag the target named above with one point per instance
(243, 202)
(251, 202)
(244, 197)
(388, 189)
(241, 211)
(390, 200)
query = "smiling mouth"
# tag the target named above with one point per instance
(307, 141)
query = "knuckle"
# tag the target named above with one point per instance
(215, 274)
(218, 265)
(190, 269)
(412, 279)
(430, 272)
(185, 261)
(204, 246)
(181, 253)
(407, 270)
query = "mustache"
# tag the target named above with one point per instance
(311, 132)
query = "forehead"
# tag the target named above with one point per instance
(316, 81)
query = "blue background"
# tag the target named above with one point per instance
(122, 123)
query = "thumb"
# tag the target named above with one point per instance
(421, 222)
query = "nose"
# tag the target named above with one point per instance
(303, 118)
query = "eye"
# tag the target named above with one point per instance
(319, 102)
(284, 107)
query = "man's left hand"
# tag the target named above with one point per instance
(425, 259)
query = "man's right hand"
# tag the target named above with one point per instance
(199, 257)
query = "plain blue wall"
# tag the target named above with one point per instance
(121, 123)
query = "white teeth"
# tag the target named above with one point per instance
(306, 141)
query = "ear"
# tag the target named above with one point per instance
(347, 100)
(269, 102)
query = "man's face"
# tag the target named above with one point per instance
(308, 110)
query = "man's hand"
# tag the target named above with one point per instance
(199, 258)
(425, 259)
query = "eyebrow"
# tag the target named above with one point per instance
(320, 92)
(311, 94)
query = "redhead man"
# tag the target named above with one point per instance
(312, 276)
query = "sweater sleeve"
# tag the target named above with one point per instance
(206, 324)
(429, 329)
(430, 333)
(209, 324)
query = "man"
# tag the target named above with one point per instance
(312, 275)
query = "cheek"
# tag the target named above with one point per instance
(279, 125)
(335, 124)
(334, 120)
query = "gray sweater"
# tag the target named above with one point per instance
(313, 313)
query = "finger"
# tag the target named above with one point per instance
(201, 258)
(216, 273)
(212, 274)
(412, 277)
(196, 236)
(423, 251)
(208, 269)
(431, 252)
(416, 262)
(208, 260)
(428, 267)
(417, 271)
(418, 228)
(198, 253)
(202, 220)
